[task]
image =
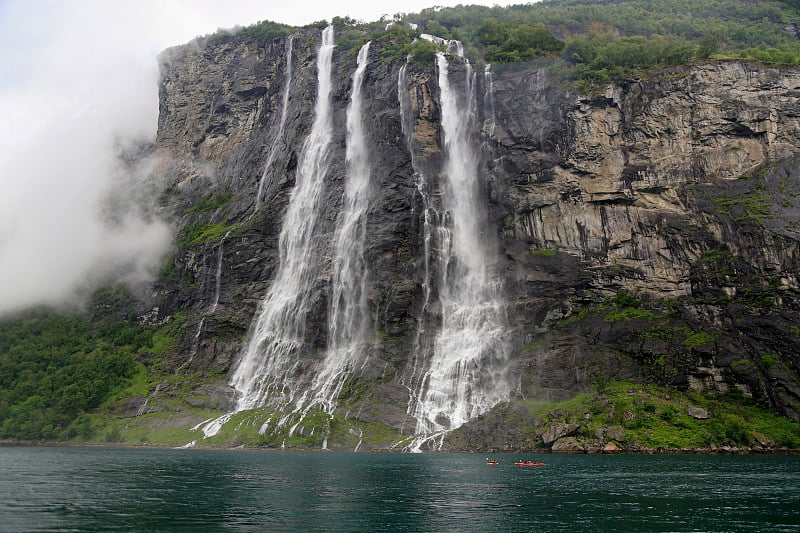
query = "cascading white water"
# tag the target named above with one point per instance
(211, 309)
(488, 100)
(218, 274)
(287, 85)
(348, 317)
(270, 358)
(452, 46)
(455, 47)
(467, 373)
(266, 372)
(421, 346)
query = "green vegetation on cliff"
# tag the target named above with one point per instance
(636, 418)
(261, 31)
(724, 26)
(205, 228)
(55, 367)
(510, 42)
(597, 41)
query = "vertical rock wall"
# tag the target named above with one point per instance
(633, 189)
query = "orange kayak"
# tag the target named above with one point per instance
(528, 463)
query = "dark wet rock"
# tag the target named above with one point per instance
(556, 431)
(680, 191)
(698, 412)
(567, 445)
(615, 433)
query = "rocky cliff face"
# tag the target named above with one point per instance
(648, 231)
(680, 190)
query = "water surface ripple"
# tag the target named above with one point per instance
(91, 489)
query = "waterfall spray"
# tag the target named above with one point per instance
(267, 370)
(467, 372)
(348, 317)
(421, 347)
(287, 85)
(488, 100)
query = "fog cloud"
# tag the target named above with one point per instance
(73, 94)
(78, 80)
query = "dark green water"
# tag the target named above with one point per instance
(86, 489)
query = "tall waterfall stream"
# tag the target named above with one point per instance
(466, 373)
(268, 367)
(455, 374)
(349, 327)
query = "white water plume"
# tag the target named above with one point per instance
(451, 46)
(488, 100)
(467, 373)
(421, 347)
(210, 310)
(218, 274)
(348, 317)
(266, 373)
(287, 85)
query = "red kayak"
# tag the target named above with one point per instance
(492, 463)
(528, 463)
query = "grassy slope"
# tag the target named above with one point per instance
(650, 417)
(639, 418)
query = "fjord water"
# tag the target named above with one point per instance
(91, 489)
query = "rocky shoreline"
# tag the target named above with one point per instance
(589, 450)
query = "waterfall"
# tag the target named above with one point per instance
(467, 372)
(267, 370)
(281, 123)
(488, 100)
(430, 217)
(348, 317)
(270, 359)
(218, 274)
(452, 46)
(455, 47)
(211, 309)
